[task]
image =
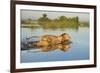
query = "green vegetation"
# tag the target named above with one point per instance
(28, 21)
(60, 22)
(84, 24)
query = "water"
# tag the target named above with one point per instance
(78, 50)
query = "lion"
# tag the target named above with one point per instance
(47, 40)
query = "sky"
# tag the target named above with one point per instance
(34, 15)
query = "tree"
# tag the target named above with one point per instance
(62, 18)
(77, 19)
(44, 15)
(44, 18)
(28, 21)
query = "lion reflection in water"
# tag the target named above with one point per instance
(62, 47)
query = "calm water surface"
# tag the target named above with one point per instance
(79, 48)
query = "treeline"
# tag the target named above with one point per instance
(84, 24)
(28, 21)
(60, 22)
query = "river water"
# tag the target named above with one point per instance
(77, 50)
